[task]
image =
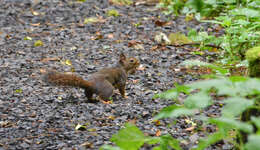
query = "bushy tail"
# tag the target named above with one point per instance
(63, 79)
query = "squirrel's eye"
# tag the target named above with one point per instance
(132, 60)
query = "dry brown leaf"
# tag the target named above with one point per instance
(110, 36)
(158, 133)
(160, 23)
(35, 24)
(111, 117)
(154, 48)
(50, 59)
(135, 81)
(190, 128)
(133, 43)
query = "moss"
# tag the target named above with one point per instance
(253, 54)
(253, 57)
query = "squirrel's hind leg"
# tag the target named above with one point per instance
(89, 95)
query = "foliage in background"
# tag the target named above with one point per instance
(240, 20)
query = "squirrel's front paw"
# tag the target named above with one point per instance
(125, 96)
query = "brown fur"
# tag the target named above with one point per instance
(102, 82)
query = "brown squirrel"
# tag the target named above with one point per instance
(102, 82)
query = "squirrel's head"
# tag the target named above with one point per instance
(130, 64)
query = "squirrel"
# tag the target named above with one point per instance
(101, 83)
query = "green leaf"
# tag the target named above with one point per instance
(168, 140)
(235, 106)
(169, 94)
(130, 138)
(256, 121)
(253, 142)
(108, 147)
(174, 111)
(251, 13)
(229, 123)
(174, 93)
(198, 100)
(211, 139)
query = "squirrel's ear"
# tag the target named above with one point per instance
(122, 56)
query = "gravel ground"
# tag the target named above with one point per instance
(35, 115)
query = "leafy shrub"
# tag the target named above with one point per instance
(241, 93)
(240, 19)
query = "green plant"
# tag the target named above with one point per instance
(241, 94)
(238, 18)
(131, 138)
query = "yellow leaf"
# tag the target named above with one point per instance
(18, 91)
(35, 13)
(80, 127)
(38, 43)
(111, 117)
(91, 20)
(189, 17)
(112, 12)
(27, 38)
(68, 62)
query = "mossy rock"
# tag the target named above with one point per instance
(253, 57)
(253, 54)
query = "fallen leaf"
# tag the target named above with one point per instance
(36, 24)
(107, 102)
(133, 43)
(113, 12)
(68, 62)
(80, 127)
(160, 23)
(135, 81)
(110, 36)
(111, 117)
(190, 128)
(139, 47)
(50, 59)
(154, 48)
(121, 2)
(158, 133)
(35, 13)
(157, 122)
(38, 43)
(161, 38)
(87, 144)
(93, 20)
(27, 38)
